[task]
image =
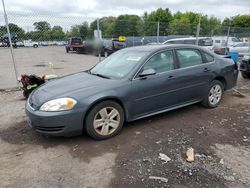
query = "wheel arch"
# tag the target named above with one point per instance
(222, 80)
(115, 99)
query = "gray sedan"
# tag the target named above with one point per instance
(132, 83)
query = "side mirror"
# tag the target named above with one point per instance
(147, 72)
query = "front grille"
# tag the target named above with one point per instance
(49, 129)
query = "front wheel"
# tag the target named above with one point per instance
(104, 120)
(214, 95)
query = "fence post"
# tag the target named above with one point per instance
(158, 31)
(11, 46)
(198, 31)
(99, 40)
(228, 33)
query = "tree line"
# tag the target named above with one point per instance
(179, 23)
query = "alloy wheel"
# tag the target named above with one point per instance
(215, 94)
(106, 121)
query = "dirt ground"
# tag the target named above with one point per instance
(220, 138)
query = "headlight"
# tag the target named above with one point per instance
(58, 105)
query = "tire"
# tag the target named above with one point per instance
(26, 94)
(214, 94)
(35, 46)
(106, 54)
(245, 75)
(67, 50)
(105, 127)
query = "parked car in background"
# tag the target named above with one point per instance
(5, 40)
(20, 44)
(130, 84)
(30, 43)
(111, 46)
(242, 48)
(220, 41)
(245, 66)
(202, 41)
(43, 43)
(60, 43)
(74, 44)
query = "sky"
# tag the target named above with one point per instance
(27, 11)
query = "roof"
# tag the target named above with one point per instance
(152, 48)
(188, 38)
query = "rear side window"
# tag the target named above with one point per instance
(188, 57)
(209, 58)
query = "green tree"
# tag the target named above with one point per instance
(43, 29)
(42, 26)
(106, 25)
(81, 30)
(13, 29)
(57, 33)
(164, 16)
(127, 25)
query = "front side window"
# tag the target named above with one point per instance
(161, 62)
(188, 57)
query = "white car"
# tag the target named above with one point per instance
(30, 43)
(242, 48)
(220, 41)
(202, 41)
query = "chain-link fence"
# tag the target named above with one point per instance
(41, 42)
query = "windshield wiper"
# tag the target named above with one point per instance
(100, 75)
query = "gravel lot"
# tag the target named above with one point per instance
(36, 61)
(220, 138)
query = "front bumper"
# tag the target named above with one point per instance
(64, 123)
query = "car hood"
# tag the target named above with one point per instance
(67, 86)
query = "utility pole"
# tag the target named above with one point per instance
(99, 41)
(228, 33)
(10, 42)
(158, 31)
(198, 31)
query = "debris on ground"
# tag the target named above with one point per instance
(229, 178)
(158, 178)
(138, 132)
(221, 161)
(190, 155)
(164, 157)
(20, 153)
(158, 142)
(238, 93)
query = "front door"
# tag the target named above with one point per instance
(155, 92)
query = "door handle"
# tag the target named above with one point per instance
(171, 77)
(207, 70)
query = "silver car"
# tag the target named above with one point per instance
(242, 48)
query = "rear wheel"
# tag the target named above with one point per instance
(214, 95)
(104, 120)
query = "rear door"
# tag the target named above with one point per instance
(193, 75)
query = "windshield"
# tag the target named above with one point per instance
(119, 64)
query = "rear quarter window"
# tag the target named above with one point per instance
(208, 57)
